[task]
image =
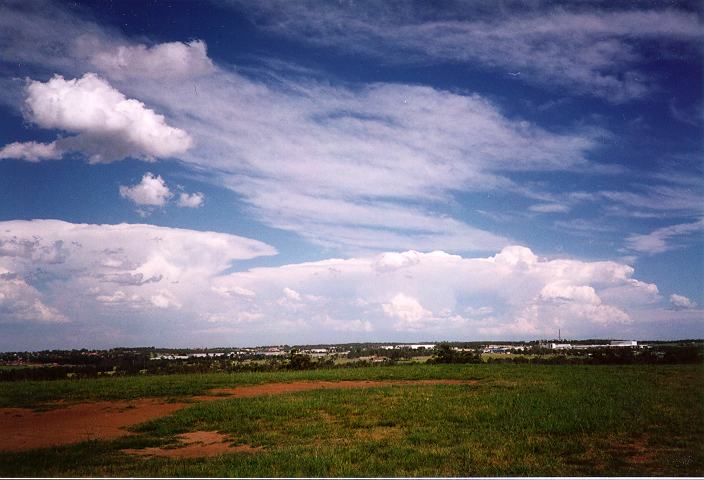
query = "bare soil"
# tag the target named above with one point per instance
(26, 429)
(195, 445)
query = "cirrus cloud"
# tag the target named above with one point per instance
(172, 59)
(586, 49)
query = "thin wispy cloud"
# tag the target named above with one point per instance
(666, 238)
(589, 48)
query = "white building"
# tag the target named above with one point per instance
(612, 344)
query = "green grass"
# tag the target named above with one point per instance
(35, 393)
(518, 420)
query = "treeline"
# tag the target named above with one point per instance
(139, 363)
(613, 356)
(142, 365)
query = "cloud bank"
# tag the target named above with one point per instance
(136, 279)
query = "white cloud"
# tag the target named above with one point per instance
(588, 50)
(192, 200)
(164, 299)
(393, 260)
(654, 200)
(86, 271)
(172, 59)
(357, 168)
(562, 292)
(292, 294)
(22, 303)
(355, 325)
(109, 125)
(151, 191)
(659, 240)
(681, 302)
(235, 290)
(339, 164)
(30, 151)
(407, 311)
(105, 275)
(549, 208)
(436, 293)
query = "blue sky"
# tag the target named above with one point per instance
(240, 173)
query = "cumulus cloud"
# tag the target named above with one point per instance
(30, 151)
(355, 325)
(109, 269)
(100, 275)
(172, 59)
(151, 191)
(291, 294)
(407, 311)
(190, 200)
(109, 125)
(164, 299)
(22, 303)
(681, 302)
(564, 292)
(512, 294)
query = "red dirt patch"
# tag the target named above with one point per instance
(195, 445)
(25, 429)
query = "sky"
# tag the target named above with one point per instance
(239, 173)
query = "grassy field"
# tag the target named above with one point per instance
(517, 420)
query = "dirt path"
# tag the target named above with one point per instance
(25, 429)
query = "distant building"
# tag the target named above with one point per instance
(419, 346)
(503, 348)
(612, 344)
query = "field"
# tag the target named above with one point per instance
(495, 420)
